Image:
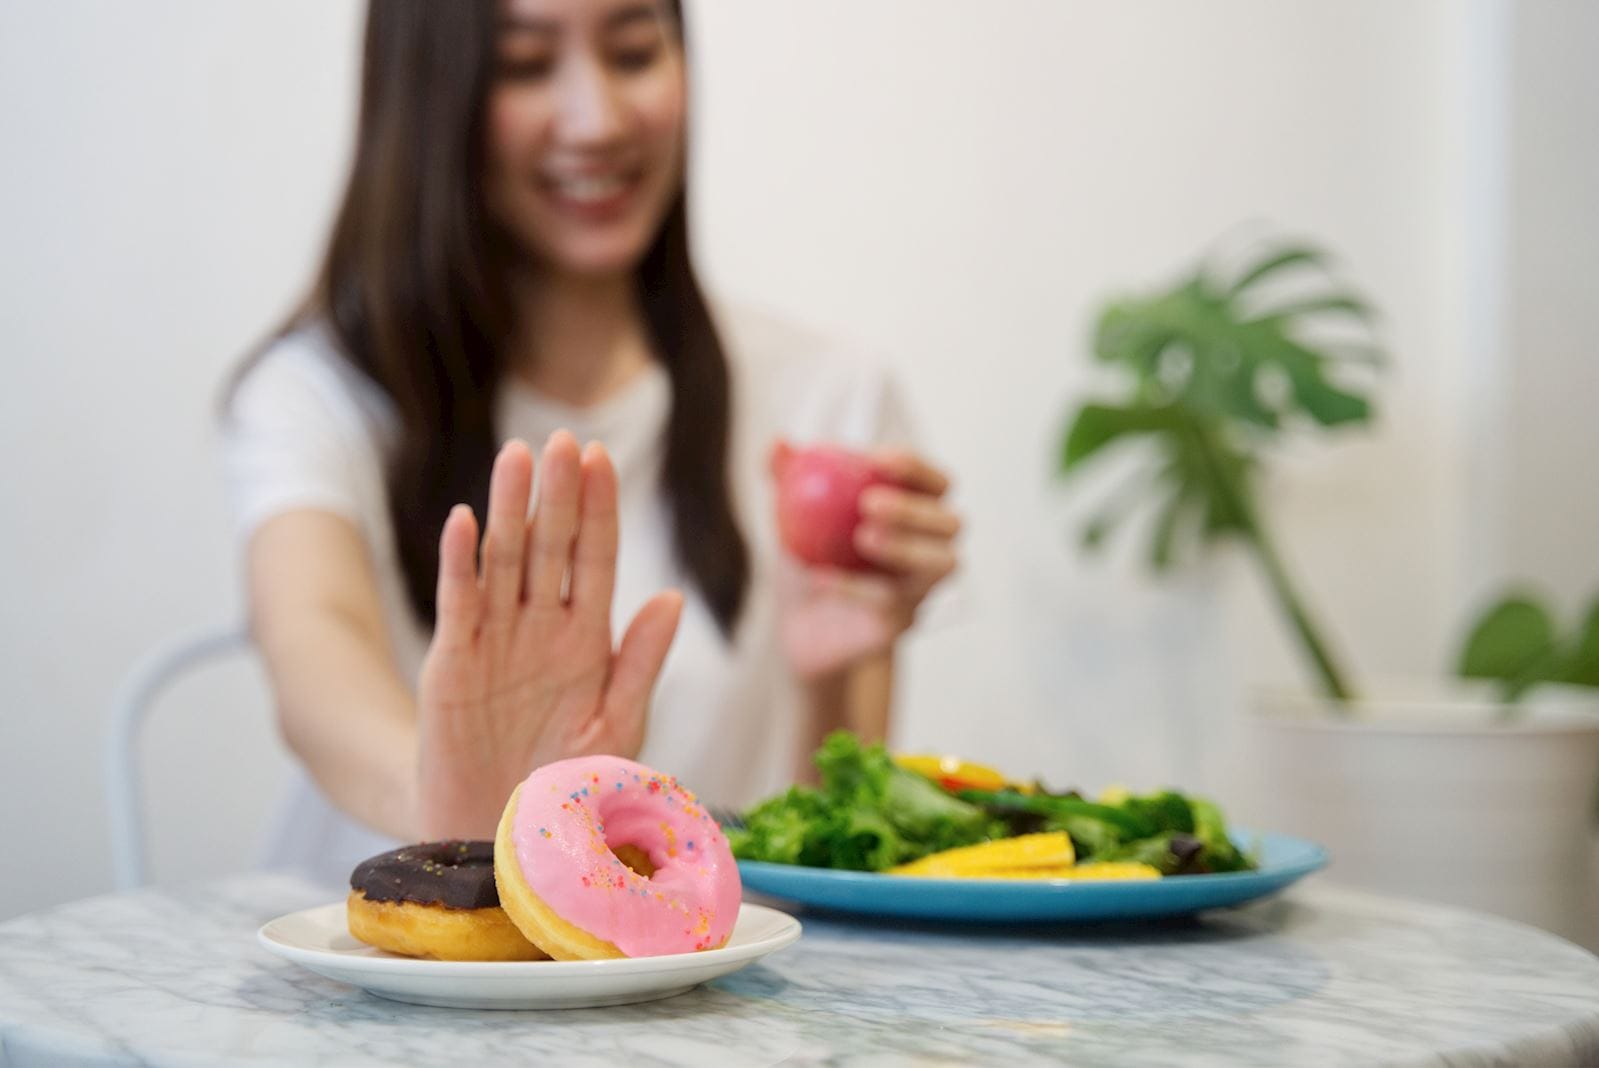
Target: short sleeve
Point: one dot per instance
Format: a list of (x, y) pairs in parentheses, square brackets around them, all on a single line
[(294, 437)]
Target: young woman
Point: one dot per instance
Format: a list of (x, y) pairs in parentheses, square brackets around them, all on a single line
[(510, 264)]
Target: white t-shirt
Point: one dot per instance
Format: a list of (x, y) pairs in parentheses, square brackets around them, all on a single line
[(308, 430)]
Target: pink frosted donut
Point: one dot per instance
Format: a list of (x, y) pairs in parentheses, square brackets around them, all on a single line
[(563, 885)]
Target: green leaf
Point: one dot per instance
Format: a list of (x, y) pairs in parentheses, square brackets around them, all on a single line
[(1241, 397), (1224, 472), (1321, 306), (1287, 257), (1582, 663), (1326, 403), (1156, 851), (1130, 824), (1091, 836), (1211, 828), (1219, 521), (1514, 637), (1165, 811), (1315, 394), (1097, 425), (1132, 333), (1167, 524)]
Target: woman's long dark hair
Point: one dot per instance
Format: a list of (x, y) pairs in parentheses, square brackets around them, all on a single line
[(412, 289)]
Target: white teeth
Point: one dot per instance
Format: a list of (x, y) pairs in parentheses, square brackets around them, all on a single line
[(589, 189)]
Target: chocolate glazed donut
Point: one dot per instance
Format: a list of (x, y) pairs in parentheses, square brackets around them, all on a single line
[(457, 874), (436, 900)]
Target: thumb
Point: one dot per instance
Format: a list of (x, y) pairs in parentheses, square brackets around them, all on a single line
[(643, 651)]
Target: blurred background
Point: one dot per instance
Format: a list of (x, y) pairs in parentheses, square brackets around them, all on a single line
[(958, 186)]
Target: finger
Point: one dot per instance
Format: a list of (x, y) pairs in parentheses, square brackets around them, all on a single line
[(779, 457), (908, 511), (911, 471), (594, 555), (504, 543), (643, 651), (554, 520), (458, 600), (928, 558)]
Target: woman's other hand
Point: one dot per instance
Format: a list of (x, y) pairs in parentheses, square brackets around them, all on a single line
[(522, 669), (833, 619)]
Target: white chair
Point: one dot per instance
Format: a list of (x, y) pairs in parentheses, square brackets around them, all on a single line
[(123, 784)]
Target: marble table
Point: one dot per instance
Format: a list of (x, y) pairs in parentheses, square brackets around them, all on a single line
[(1322, 976)]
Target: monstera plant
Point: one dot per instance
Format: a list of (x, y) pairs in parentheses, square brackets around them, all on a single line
[(1213, 373), (1210, 377)]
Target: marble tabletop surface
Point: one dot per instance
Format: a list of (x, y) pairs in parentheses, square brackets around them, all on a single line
[(1321, 976)]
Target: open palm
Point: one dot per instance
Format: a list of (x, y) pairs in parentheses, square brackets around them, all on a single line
[(522, 669)]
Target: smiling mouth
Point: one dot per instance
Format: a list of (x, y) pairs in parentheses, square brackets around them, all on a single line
[(592, 193)]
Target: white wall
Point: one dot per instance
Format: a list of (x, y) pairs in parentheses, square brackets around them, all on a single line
[(955, 184), (169, 168), (1552, 319)]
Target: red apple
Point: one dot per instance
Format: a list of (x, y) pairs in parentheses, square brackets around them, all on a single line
[(818, 502)]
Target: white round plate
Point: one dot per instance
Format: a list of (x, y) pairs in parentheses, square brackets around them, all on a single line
[(319, 939)]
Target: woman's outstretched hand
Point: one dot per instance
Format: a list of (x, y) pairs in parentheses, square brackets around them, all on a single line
[(522, 669)]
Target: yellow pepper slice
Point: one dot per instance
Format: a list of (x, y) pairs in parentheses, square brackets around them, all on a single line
[(1051, 849), (1091, 871), (952, 773)]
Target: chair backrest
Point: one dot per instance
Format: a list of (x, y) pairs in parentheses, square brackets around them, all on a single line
[(134, 699)]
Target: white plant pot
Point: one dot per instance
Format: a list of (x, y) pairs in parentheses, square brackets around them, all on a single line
[(1439, 792)]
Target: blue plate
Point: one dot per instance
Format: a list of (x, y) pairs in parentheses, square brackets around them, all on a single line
[(1283, 860)]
